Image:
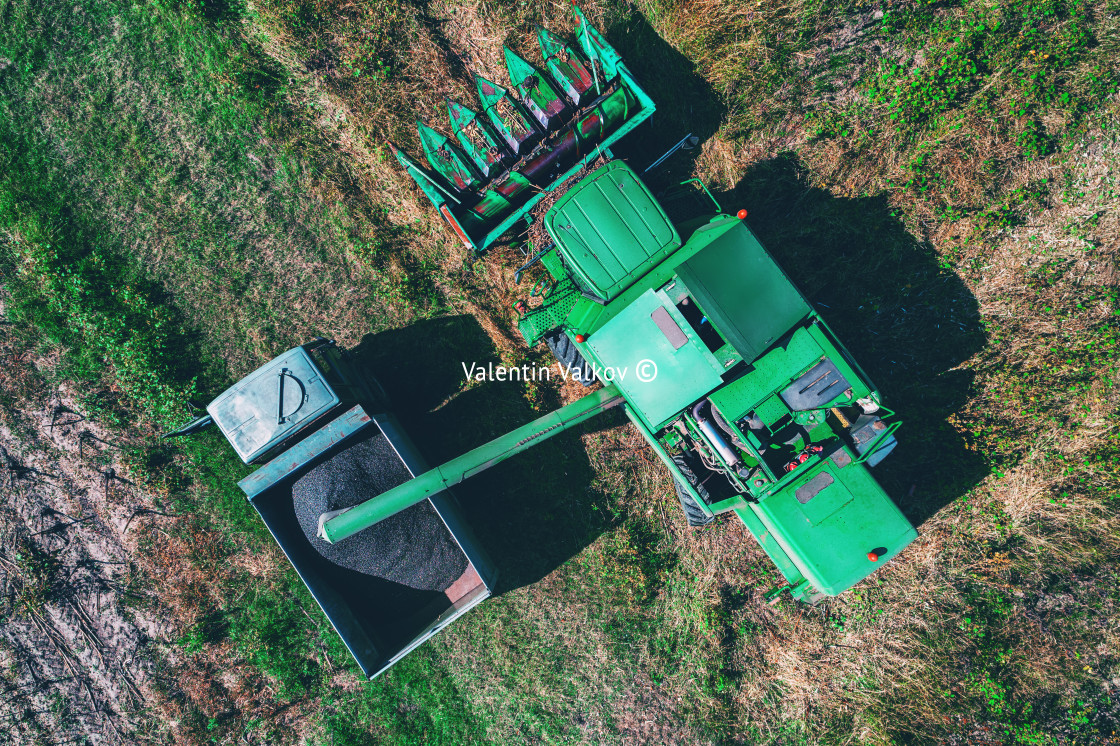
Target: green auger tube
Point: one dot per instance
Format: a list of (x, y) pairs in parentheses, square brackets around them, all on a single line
[(340, 524)]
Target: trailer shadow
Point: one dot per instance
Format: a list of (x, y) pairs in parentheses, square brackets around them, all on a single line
[(907, 320), (531, 513)]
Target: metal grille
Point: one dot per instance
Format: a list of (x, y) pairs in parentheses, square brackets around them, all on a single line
[(550, 314)]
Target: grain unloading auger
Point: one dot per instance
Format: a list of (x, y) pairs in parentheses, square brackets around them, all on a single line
[(529, 137)]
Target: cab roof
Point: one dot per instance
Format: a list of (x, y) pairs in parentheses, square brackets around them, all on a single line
[(742, 290), (610, 230)]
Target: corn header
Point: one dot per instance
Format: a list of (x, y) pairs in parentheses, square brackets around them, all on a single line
[(526, 138)]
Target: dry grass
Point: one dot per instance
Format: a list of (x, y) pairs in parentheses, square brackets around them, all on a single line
[(998, 625)]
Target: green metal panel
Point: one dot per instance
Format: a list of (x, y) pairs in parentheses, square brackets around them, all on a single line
[(542, 100), (806, 347), (448, 161), (610, 230), (477, 140), (845, 515), (771, 410), (587, 315), (271, 403), (768, 374), (570, 72), (551, 313), (684, 373), (841, 358), (743, 291), (773, 550)]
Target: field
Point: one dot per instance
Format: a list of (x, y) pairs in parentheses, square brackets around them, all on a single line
[(188, 187)]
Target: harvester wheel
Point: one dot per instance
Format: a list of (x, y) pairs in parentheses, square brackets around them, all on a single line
[(569, 356), (693, 513)]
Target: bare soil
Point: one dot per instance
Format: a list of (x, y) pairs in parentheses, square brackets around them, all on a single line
[(97, 588), (80, 652)]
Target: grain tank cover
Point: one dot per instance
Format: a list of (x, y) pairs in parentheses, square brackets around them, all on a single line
[(742, 290), (610, 230), (662, 364), (271, 403)]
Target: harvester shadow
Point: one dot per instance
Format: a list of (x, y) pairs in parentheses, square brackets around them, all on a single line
[(686, 102), (531, 513), (908, 321), (457, 65)]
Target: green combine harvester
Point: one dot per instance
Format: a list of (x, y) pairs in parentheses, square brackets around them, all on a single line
[(736, 383)]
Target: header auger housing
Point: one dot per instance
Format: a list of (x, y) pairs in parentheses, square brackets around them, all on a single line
[(526, 139)]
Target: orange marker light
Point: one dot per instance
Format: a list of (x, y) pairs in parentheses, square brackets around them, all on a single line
[(742, 214), (872, 556), (580, 338)]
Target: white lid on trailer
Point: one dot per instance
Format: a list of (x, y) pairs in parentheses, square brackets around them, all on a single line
[(271, 403)]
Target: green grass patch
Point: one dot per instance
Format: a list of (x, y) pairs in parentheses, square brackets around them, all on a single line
[(85, 298)]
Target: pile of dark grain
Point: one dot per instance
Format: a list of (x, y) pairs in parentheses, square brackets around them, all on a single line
[(413, 547)]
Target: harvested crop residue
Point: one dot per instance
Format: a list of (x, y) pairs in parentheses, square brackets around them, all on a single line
[(538, 236), (91, 645), (78, 662)]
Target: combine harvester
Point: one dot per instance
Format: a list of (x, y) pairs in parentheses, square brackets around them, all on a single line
[(736, 383)]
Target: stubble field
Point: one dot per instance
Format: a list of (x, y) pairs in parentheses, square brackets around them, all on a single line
[(188, 188)]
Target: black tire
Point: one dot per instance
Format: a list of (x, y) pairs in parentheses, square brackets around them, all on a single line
[(693, 513), (569, 356)]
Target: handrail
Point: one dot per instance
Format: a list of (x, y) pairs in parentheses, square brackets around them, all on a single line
[(875, 444), (705, 188)]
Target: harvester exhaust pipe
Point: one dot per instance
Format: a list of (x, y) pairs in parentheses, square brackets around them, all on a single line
[(340, 524), (715, 437)]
